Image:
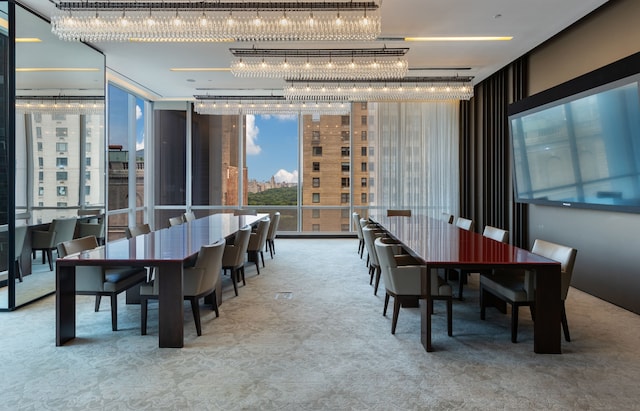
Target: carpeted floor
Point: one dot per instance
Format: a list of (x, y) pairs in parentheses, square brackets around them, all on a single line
[(308, 334)]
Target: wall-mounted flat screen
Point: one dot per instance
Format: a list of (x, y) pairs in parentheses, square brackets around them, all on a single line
[(582, 150)]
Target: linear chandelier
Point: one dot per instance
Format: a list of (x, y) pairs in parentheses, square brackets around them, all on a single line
[(320, 64), (198, 21), (267, 105), (78, 105), (405, 89)]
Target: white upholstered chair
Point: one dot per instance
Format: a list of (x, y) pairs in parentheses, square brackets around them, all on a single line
[(198, 282), (234, 256), (403, 281), (355, 217), (273, 231), (60, 230), (98, 280), (517, 287), (464, 223), (258, 242)]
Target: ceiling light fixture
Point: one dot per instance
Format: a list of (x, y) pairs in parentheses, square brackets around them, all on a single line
[(320, 64), (78, 105), (237, 105), (187, 20), (406, 89)]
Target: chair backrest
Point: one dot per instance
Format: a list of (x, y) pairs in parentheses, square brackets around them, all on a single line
[(273, 227), (94, 229), (403, 280), (566, 256), (188, 216), (260, 235), (356, 221), (64, 229), (77, 245), (210, 259), (175, 221), (495, 233), (402, 213), (369, 236), (19, 236), (464, 223), (137, 230), (234, 256)]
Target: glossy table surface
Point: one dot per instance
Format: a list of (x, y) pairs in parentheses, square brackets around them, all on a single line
[(439, 244), (167, 250)]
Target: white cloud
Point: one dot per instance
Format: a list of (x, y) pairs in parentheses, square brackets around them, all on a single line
[(283, 176), (138, 112), (140, 145), (252, 135)]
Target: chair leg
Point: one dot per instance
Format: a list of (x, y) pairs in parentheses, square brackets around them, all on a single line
[(462, 277), (195, 308), (143, 316), (214, 303), (97, 305), (361, 250), (114, 312), (483, 307), (241, 274), (375, 287), (514, 322), (262, 258), (450, 316), (371, 274), (234, 280), (396, 311), (50, 257), (19, 269), (565, 324), (386, 304)]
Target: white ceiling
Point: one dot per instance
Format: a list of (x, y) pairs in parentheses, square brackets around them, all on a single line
[(530, 22)]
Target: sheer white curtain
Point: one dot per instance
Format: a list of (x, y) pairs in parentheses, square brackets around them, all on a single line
[(416, 163)]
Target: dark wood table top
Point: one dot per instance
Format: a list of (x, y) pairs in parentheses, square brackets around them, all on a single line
[(175, 243), (440, 244)]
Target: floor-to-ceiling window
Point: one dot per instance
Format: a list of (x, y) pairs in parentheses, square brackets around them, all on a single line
[(126, 161), (271, 143)]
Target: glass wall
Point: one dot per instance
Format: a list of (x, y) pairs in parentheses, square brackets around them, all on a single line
[(56, 144)]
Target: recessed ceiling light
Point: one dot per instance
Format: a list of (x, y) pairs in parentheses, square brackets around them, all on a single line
[(36, 69), (460, 38), (28, 40), (200, 69)]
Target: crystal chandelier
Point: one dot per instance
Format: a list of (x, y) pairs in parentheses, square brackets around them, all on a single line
[(193, 21), (234, 105), (320, 64), (78, 105), (405, 89)]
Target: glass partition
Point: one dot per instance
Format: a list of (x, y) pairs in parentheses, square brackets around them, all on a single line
[(59, 145)]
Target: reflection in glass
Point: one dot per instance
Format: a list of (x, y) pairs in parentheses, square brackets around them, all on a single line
[(59, 147)]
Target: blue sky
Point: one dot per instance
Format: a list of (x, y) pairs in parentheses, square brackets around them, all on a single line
[(272, 147)]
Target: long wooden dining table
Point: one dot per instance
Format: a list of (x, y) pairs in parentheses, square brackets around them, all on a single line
[(438, 244), (167, 250)]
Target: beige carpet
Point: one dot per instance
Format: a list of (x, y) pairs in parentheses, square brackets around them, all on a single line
[(308, 334)]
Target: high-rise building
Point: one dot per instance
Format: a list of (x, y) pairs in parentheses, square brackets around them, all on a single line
[(336, 168)]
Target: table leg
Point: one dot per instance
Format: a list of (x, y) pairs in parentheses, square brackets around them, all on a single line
[(425, 311), (170, 305), (65, 304), (547, 337)]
